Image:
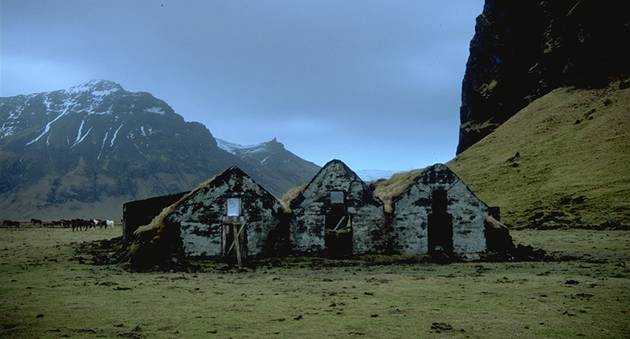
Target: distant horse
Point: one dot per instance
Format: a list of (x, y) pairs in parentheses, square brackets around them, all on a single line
[(80, 224), (100, 223)]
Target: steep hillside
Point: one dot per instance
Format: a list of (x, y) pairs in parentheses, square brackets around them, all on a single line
[(524, 49), (562, 160), (83, 151)]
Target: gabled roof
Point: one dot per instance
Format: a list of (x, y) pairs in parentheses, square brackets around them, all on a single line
[(296, 194), (389, 190), (160, 225)]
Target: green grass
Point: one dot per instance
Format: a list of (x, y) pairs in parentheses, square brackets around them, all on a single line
[(573, 163), (40, 275)]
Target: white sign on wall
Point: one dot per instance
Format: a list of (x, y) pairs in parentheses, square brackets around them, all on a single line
[(233, 207), (337, 197)]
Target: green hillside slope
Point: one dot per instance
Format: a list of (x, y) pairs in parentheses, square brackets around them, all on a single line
[(562, 160)]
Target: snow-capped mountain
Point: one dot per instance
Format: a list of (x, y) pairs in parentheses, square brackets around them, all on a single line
[(234, 147), (274, 158), (85, 150)]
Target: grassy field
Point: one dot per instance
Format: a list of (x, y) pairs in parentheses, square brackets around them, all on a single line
[(45, 291), (563, 159)]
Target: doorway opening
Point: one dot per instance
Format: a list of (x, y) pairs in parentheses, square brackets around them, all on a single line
[(234, 237), (440, 228), (234, 251), (338, 233)]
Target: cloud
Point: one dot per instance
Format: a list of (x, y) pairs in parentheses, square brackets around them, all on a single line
[(327, 77)]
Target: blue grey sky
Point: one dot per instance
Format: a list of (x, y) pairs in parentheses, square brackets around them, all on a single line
[(375, 83)]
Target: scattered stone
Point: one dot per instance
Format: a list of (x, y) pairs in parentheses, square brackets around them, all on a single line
[(438, 327), (120, 288), (571, 282), (368, 293), (40, 316), (356, 333), (374, 315), (222, 267), (585, 296)]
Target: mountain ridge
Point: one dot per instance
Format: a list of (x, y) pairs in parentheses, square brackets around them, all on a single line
[(68, 151)]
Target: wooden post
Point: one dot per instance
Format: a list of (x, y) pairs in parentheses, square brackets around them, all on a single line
[(237, 235), (237, 242)]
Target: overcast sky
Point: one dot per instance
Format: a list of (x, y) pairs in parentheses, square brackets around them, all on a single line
[(374, 83)]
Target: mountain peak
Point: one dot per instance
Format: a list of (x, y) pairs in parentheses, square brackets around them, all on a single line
[(102, 87), (274, 143)]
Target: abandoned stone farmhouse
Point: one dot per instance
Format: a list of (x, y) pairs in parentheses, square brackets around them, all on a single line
[(436, 212), (336, 214), (207, 221)]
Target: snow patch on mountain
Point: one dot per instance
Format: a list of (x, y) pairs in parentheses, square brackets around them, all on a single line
[(8, 127), (234, 148), (67, 106), (79, 132), (103, 144), (155, 109), (95, 88), (111, 143), (83, 137)]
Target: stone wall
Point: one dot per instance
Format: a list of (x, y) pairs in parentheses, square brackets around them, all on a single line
[(307, 227), (200, 217), (412, 207)]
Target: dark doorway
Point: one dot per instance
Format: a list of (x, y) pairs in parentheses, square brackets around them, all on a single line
[(338, 237), (440, 230)]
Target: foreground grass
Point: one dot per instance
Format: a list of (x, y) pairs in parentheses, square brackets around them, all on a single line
[(46, 292)]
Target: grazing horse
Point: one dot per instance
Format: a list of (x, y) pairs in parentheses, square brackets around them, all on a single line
[(36, 222), (80, 224), (100, 223)]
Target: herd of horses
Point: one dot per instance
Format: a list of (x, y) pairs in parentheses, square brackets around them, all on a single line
[(74, 224)]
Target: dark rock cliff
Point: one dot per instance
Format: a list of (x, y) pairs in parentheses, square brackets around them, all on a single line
[(524, 49)]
